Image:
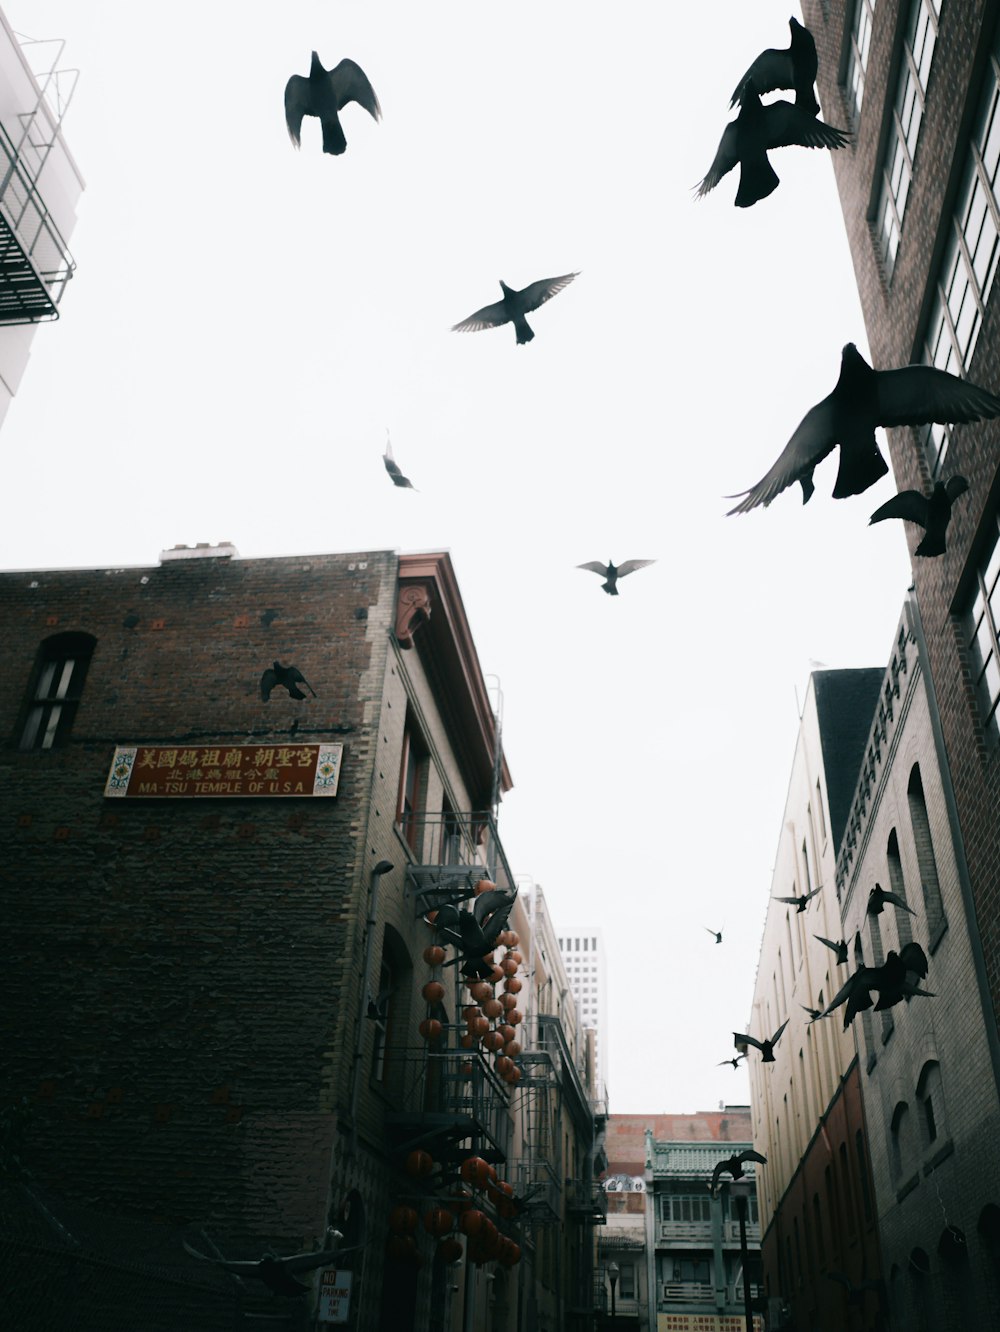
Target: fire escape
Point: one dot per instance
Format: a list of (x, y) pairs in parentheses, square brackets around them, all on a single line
[(35, 262)]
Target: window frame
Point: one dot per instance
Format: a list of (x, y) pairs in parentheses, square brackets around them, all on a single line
[(48, 715)]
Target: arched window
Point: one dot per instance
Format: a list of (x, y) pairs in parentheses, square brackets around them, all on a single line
[(931, 1099), (878, 957), (900, 1155), (55, 689), (897, 885), (866, 1192), (392, 1015), (933, 906)]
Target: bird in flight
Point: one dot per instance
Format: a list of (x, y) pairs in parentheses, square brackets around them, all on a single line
[(275, 1272), (514, 306), (932, 514), (794, 66), (611, 574), (746, 141), (288, 676), (799, 903), (735, 1061), (862, 399), (840, 948), (474, 933), (896, 979), (766, 1047), (733, 1165), (392, 467), (878, 897), (716, 933), (324, 93), (814, 1013)]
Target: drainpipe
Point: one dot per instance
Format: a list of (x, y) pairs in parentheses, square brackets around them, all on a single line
[(383, 867)]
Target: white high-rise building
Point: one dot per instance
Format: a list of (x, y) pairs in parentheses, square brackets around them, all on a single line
[(583, 953)]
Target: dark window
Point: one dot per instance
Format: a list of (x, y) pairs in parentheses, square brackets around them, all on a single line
[(923, 842), (866, 1195), (56, 686), (896, 883), (981, 623), (412, 781), (626, 1281)]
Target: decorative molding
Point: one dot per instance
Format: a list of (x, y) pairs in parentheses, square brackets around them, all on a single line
[(413, 608)]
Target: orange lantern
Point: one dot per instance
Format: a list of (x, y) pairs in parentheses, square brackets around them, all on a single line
[(504, 938), (450, 1250), (512, 1049), (514, 1017), (496, 975), (403, 1220), (509, 1002), (514, 1076), (430, 1029), (438, 1222), (477, 1172), (484, 886), (499, 1189), (492, 1008), (402, 1248), (434, 955), (433, 992), (480, 991), (465, 1069), (419, 1164), (517, 958), (511, 1254), (468, 1041), (493, 1041), (514, 940), (508, 966), (472, 1221), (470, 1011), (503, 1065), (479, 1026), (512, 985)]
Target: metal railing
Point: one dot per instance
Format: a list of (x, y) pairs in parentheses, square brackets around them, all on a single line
[(457, 1089), (450, 852), (691, 1292), (693, 1232), (35, 262)]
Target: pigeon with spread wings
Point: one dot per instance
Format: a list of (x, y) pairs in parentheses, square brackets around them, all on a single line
[(717, 934), (278, 1273), (392, 467), (735, 1061), (862, 399), (612, 572), (290, 677), (514, 306), (324, 93), (766, 1047), (896, 979), (474, 933), (799, 903), (839, 947), (933, 514), (878, 897), (733, 1165), (794, 66), (747, 140)]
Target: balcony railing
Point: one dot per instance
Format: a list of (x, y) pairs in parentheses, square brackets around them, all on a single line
[(35, 263), (731, 1232), (451, 853), (453, 1096), (685, 1232), (690, 1292)]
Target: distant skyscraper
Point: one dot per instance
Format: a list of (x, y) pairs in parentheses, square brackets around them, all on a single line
[(583, 953)]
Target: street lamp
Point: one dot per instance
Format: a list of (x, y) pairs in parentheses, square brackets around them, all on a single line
[(613, 1271), (740, 1191)]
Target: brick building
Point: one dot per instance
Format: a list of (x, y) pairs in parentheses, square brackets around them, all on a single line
[(920, 84), (213, 987)]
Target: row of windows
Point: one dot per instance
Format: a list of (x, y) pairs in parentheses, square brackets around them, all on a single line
[(912, 1133), (574, 945), (828, 1227), (857, 56)]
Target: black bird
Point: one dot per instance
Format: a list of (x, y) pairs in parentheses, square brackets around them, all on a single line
[(862, 399), (392, 467), (932, 514), (474, 933), (814, 1013), (733, 1165), (611, 574), (878, 897), (275, 1272), (746, 140), (289, 676), (324, 93), (794, 66), (799, 903), (767, 1047), (855, 1294), (896, 979), (716, 933), (840, 948), (735, 1062), (514, 306)]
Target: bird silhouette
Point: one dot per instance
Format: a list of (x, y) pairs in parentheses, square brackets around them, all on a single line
[(746, 141), (324, 93), (735, 1062), (794, 66), (932, 514), (611, 574), (276, 1272), (814, 1013), (878, 897), (514, 306), (862, 399), (392, 467), (799, 903), (840, 948), (896, 979), (288, 676), (766, 1047), (474, 933), (733, 1165), (717, 934)]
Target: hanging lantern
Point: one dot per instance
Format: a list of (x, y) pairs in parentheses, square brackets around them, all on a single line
[(450, 1250), (511, 1254), (489, 1237), (431, 1029), (517, 958), (468, 1041), (514, 940), (508, 966), (477, 1172), (419, 1164), (493, 1041), (481, 991), (484, 886), (470, 1011), (434, 955), (465, 1068), (514, 1017), (514, 1076), (479, 1026), (512, 1049), (503, 1065), (512, 985), (439, 1222), (471, 1222), (403, 1220), (499, 1190), (402, 1249), (492, 1008), (504, 938), (496, 975), (509, 1002), (433, 992), (507, 1032)]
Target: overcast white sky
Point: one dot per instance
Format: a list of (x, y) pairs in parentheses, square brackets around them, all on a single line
[(246, 321)]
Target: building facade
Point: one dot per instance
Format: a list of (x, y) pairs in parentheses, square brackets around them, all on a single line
[(929, 1066), (228, 1020), (586, 968), (814, 1192)]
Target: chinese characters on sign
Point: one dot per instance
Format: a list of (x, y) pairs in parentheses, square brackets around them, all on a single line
[(224, 770), (683, 1322)]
